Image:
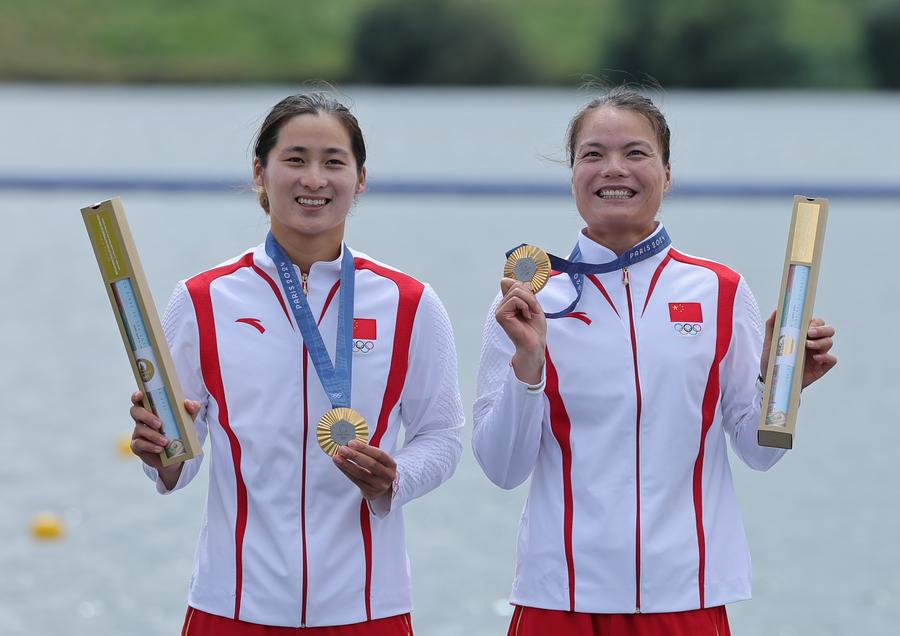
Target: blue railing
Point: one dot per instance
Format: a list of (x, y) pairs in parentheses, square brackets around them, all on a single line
[(425, 187)]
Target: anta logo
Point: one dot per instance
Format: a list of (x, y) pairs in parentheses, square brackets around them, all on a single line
[(253, 322), (365, 333), (686, 318)]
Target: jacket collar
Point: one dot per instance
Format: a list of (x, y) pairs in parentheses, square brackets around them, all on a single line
[(593, 252)]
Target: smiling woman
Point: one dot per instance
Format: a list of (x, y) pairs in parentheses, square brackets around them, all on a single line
[(619, 176), (307, 170), (620, 417), (293, 536)]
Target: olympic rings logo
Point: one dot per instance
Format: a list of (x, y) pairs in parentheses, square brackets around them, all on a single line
[(363, 346), (688, 329)]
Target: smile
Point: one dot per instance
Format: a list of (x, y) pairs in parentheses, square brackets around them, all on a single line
[(309, 202), (615, 193)]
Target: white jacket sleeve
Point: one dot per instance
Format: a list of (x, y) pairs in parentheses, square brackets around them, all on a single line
[(430, 406), (180, 328), (741, 402), (508, 414)]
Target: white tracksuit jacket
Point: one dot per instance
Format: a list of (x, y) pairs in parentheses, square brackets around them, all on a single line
[(631, 506), (287, 539)]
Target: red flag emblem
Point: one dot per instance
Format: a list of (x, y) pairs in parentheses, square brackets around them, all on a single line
[(364, 328), (685, 312)]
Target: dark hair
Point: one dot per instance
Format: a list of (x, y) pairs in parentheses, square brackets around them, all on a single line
[(624, 97), (312, 103)]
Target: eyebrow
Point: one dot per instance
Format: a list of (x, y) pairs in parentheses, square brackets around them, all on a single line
[(597, 144), (327, 151)]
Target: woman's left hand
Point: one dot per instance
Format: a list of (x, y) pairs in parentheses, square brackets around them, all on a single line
[(369, 467), (819, 340)]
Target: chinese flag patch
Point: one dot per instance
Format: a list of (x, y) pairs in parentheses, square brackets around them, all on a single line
[(685, 312), (364, 328)]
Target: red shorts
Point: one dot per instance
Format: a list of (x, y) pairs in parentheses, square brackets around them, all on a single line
[(199, 623), (530, 621)]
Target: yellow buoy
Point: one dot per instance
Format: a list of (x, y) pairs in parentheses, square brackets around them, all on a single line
[(123, 446), (46, 526)]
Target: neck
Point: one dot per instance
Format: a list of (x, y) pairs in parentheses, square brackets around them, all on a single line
[(617, 240), (304, 249)]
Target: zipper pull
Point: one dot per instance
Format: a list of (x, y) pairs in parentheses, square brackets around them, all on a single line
[(304, 283), (625, 276)]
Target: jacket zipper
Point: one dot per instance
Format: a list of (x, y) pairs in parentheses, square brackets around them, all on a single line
[(637, 447), (303, 489), (304, 284)]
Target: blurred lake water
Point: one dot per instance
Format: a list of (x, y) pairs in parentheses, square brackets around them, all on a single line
[(820, 524)]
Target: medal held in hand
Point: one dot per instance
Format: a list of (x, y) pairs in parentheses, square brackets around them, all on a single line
[(341, 424), (338, 426), (528, 264)]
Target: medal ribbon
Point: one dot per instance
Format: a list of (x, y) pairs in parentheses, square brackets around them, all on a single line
[(334, 378), (576, 270)]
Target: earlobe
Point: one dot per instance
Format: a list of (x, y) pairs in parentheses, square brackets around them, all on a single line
[(257, 173), (361, 182)]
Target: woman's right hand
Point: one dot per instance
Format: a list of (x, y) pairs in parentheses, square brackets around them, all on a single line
[(521, 317), (148, 441)]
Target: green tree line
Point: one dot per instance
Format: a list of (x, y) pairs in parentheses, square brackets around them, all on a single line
[(680, 43)]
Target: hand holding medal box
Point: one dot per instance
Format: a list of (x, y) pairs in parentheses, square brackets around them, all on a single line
[(139, 325), (784, 375)]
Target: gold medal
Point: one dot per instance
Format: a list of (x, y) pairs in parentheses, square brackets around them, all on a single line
[(338, 426), (528, 264)]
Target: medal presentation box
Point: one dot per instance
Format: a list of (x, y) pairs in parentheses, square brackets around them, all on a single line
[(787, 353), (140, 328)]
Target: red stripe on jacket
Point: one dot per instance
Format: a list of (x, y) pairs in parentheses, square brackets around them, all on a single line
[(274, 287), (199, 289), (410, 293), (728, 283), (655, 277), (602, 290), (561, 427)]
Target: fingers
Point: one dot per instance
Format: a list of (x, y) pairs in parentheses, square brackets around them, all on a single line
[(142, 416), (817, 367), (770, 323), (370, 486), (819, 338), (818, 329), (819, 345), (506, 284), (369, 467), (825, 360), (512, 306), (373, 453), (147, 440), (192, 407), (373, 460), (509, 283), (819, 341), (518, 298)]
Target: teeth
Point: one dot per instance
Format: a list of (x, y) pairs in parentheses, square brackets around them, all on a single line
[(312, 202), (616, 194)]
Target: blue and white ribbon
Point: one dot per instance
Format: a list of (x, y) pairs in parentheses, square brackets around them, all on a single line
[(576, 269), (335, 377)]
